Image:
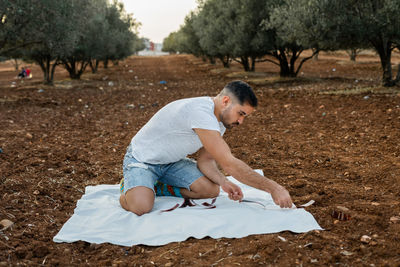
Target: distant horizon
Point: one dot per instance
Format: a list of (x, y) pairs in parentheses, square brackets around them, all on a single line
[(159, 17)]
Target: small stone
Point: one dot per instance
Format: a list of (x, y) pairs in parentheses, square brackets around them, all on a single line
[(365, 239), (168, 264), (342, 208), (346, 253), (29, 136), (130, 71), (282, 238), (36, 192), (375, 204), (395, 219), (6, 224), (110, 83)]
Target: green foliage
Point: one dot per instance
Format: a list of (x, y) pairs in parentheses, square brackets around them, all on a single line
[(69, 32), (344, 24), (170, 43), (232, 29), (240, 30)]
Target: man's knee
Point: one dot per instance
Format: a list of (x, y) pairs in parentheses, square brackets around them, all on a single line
[(213, 191), (140, 210), (139, 200), (205, 188)]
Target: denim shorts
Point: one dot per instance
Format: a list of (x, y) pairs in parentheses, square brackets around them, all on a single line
[(179, 174)]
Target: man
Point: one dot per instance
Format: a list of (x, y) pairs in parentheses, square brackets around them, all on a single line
[(156, 163)]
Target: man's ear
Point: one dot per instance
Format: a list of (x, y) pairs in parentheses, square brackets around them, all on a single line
[(226, 100)]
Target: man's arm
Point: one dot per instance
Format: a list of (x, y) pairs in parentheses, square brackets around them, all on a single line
[(215, 145), (208, 166)]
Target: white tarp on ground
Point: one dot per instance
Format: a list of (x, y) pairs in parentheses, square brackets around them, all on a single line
[(98, 218)]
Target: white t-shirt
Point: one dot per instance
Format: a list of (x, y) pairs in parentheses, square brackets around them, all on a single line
[(169, 136)]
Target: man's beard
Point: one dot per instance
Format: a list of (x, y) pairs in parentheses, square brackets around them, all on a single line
[(230, 125)]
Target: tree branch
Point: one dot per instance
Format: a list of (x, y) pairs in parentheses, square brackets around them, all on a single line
[(268, 60), (305, 59)]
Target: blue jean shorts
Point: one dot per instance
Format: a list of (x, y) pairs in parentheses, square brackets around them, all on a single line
[(179, 174)]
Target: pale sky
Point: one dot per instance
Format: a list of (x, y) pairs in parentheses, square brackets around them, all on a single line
[(159, 17)]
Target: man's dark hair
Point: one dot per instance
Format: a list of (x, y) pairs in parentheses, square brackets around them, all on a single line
[(243, 92)]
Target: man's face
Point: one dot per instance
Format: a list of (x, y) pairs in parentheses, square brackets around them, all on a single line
[(234, 114)]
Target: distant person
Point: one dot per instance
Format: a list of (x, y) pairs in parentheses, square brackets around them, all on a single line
[(22, 74), (28, 73), (155, 163)]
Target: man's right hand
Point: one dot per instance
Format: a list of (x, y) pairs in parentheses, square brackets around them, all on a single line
[(281, 197), (233, 190)]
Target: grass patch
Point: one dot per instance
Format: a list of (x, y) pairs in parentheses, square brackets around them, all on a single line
[(363, 90), (245, 74), (278, 79), (219, 70)]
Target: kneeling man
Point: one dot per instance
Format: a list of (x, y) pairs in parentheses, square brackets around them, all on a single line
[(156, 160)]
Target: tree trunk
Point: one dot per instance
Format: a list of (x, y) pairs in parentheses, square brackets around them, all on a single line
[(398, 74), (385, 54), (225, 61), (353, 54), (16, 64), (253, 64), (245, 63), (71, 65), (284, 65), (105, 62), (47, 68), (316, 54), (94, 66), (212, 60), (48, 78), (53, 68)]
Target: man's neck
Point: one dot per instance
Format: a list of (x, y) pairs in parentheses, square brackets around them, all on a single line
[(216, 107)]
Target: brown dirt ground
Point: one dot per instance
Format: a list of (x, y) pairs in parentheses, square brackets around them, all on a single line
[(331, 135)]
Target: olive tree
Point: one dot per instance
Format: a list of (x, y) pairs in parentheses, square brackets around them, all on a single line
[(345, 24)]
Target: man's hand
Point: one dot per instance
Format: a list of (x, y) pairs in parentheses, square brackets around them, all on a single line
[(281, 197), (234, 191)]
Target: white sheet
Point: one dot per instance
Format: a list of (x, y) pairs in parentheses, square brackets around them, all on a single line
[(98, 218)]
